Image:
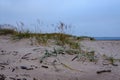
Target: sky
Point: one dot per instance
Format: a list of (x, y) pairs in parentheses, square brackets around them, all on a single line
[(95, 18)]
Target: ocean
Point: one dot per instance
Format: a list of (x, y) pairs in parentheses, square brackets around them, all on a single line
[(108, 38)]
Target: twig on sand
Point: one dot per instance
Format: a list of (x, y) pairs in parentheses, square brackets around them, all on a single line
[(44, 66), (103, 71), (75, 58), (26, 68), (25, 56)]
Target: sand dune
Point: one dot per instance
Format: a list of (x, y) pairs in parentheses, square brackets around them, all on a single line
[(21, 61)]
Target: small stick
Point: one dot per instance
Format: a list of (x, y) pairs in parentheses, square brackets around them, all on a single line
[(44, 66), (74, 58), (102, 71), (25, 56)]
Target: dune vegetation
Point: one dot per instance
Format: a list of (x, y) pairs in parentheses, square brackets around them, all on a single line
[(69, 44)]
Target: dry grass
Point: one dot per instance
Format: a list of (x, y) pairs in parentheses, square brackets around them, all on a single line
[(7, 31), (60, 38)]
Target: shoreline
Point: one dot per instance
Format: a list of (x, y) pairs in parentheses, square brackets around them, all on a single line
[(107, 38)]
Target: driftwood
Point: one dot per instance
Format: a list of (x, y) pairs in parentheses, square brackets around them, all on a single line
[(26, 56), (74, 58), (26, 68), (13, 69), (103, 71), (44, 66)]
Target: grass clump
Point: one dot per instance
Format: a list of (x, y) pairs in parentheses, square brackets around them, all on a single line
[(74, 45), (111, 60), (41, 39), (54, 53), (91, 56), (21, 35), (72, 51), (87, 56), (81, 56), (7, 31), (85, 38)]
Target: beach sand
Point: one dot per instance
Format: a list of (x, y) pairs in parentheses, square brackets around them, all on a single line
[(21, 61)]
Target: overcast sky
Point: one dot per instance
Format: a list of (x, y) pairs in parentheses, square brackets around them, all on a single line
[(87, 17)]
